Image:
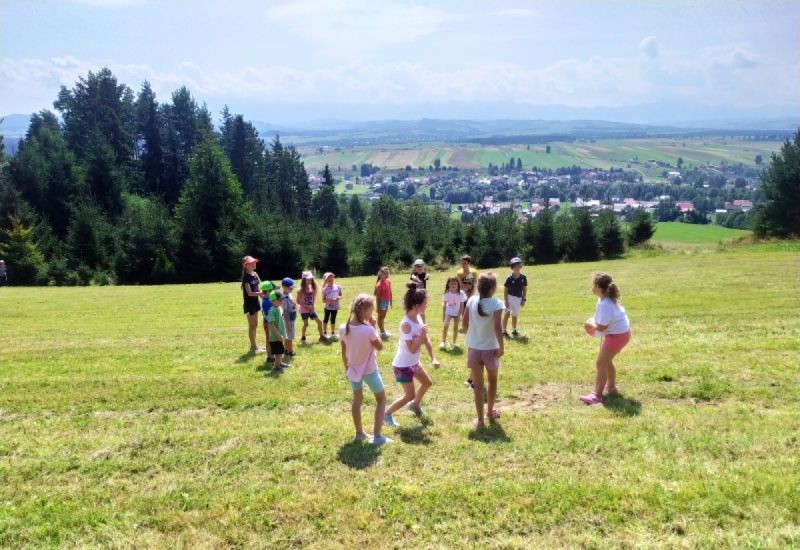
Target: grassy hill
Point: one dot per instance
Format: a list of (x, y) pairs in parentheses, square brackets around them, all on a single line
[(677, 233), (131, 417)]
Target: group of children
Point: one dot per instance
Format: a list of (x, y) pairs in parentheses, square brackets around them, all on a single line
[(483, 316)]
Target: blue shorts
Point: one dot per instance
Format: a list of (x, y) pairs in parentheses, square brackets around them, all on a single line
[(383, 305), (373, 380)]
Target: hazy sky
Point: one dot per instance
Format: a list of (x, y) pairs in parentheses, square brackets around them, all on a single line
[(280, 60)]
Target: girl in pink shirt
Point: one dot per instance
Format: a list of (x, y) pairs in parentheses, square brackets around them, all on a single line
[(360, 341), (383, 293), (306, 297)]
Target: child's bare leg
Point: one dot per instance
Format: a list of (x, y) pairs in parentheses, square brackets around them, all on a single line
[(444, 330), (305, 326), (355, 409), (455, 330), (513, 322), (611, 371), (408, 395), (381, 317), (319, 327), (477, 389), (380, 411), (604, 358), (506, 315), (252, 326), (492, 393), (278, 360), (425, 384)]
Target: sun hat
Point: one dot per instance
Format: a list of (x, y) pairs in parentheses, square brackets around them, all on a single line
[(249, 260), (275, 295), (307, 275), (419, 261), (515, 260), (287, 282), (326, 275), (266, 286)]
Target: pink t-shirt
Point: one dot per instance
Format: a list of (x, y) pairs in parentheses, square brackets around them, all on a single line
[(361, 359), (305, 301), (384, 290)]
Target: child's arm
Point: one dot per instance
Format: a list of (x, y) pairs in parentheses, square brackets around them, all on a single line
[(524, 294), (505, 296), (344, 353), (376, 342), (498, 331), (464, 316), (427, 341), (444, 308)]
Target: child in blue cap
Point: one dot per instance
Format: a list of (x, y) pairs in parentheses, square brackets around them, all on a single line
[(289, 314)]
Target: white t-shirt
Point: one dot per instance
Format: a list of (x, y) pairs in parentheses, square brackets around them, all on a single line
[(403, 357), (613, 315), (453, 301), (361, 359), (480, 334)]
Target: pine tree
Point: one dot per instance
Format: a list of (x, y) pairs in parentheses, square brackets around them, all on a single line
[(586, 249), (149, 127), (779, 216), (610, 239), (641, 227), (325, 207), (22, 256)]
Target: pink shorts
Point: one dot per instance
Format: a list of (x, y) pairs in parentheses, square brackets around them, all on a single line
[(479, 358), (615, 342)]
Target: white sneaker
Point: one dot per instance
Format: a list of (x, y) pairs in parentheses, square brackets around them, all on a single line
[(380, 440), (443, 345)]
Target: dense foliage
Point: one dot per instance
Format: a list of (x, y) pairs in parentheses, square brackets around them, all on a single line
[(125, 189)]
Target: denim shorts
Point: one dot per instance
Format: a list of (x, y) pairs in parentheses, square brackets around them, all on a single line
[(373, 380), (383, 305), (307, 316)]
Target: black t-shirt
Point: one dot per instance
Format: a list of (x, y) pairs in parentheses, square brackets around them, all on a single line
[(423, 277), (516, 284), (252, 282)]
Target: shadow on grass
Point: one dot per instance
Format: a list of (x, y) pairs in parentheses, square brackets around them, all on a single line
[(270, 372), (493, 432), (416, 435), (245, 357), (454, 351), (358, 455), (520, 339), (622, 406)]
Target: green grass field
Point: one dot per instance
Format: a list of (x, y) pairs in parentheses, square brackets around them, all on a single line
[(677, 233), (600, 154), (132, 417)]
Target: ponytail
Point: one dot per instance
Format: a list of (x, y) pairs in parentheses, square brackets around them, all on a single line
[(609, 288), (414, 296), (487, 283)]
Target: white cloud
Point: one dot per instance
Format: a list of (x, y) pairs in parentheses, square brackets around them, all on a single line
[(730, 75), (356, 28), (109, 3)]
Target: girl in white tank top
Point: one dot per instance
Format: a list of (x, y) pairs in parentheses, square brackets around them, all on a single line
[(406, 366)]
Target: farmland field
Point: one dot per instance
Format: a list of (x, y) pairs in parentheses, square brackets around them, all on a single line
[(132, 417), (600, 154)]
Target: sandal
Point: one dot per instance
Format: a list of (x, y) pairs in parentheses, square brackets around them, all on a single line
[(494, 413), (590, 399)]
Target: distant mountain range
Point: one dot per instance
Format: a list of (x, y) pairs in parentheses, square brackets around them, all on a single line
[(343, 132)]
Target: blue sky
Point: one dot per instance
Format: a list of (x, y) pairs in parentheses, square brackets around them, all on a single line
[(295, 60)]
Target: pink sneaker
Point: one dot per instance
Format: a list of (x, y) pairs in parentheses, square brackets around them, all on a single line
[(591, 399)]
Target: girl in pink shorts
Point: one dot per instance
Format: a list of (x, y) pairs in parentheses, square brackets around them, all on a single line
[(484, 338), (611, 323)]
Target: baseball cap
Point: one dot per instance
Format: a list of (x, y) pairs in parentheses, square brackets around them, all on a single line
[(515, 260), (249, 260), (266, 286), (287, 282), (275, 295), (419, 261)]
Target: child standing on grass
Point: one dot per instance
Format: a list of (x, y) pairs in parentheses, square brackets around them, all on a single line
[(331, 294), (484, 343), (611, 322), (306, 297), (266, 305), (383, 294), (277, 331), (289, 314), (406, 365), (452, 309), (515, 294), (418, 274), (467, 275), (250, 293), (360, 342)]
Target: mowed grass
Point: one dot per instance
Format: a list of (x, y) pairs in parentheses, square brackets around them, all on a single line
[(132, 417), (677, 233)]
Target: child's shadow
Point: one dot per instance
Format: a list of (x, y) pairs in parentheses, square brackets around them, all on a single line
[(416, 435), (269, 372), (493, 432), (622, 406), (521, 339), (454, 351), (245, 358), (358, 455)]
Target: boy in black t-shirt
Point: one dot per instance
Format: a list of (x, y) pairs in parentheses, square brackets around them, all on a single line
[(514, 294)]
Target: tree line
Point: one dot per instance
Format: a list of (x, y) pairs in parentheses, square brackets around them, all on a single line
[(127, 189)]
